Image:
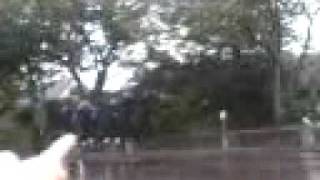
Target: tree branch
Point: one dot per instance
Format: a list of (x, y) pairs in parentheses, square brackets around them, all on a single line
[(306, 45), (77, 78), (101, 75)]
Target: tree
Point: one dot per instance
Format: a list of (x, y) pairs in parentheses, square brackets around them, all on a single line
[(181, 98), (80, 36), (41, 40), (14, 50), (248, 24)]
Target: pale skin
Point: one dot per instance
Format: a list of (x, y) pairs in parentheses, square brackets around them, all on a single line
[(48, 165)]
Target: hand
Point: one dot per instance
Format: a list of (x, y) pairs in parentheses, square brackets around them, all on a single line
[(51, 164)]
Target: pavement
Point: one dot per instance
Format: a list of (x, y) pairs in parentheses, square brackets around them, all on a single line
[(311, 162), (205, 164)]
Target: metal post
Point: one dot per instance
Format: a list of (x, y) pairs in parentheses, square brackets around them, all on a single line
[(224, 135), (82, 175), (308, 139)]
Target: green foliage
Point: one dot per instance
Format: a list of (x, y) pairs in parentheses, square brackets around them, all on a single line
[(24, 118), (18, 131), (184, 97), (302, 94), (189, 97), (178, 113), (19, 47), (241, 22)]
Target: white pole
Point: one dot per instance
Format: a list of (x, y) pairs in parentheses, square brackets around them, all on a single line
[(308, 139), (224, 136), (81, 170)]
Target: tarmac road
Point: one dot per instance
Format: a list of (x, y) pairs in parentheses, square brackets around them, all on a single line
[(234, 164)]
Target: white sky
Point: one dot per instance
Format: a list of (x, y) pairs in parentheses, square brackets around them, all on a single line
[(301, 26)]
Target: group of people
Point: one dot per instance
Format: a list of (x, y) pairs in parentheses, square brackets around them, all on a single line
[(80, 117)]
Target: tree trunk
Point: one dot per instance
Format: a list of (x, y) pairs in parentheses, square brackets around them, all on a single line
[(102, 75), (100, 81), (277, 93), (76, 77), (276, 48)]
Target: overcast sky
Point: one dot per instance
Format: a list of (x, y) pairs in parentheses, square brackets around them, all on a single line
[(301, 26)]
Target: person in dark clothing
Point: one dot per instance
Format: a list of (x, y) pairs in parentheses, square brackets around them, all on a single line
[(87, 119), (68, 116)]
